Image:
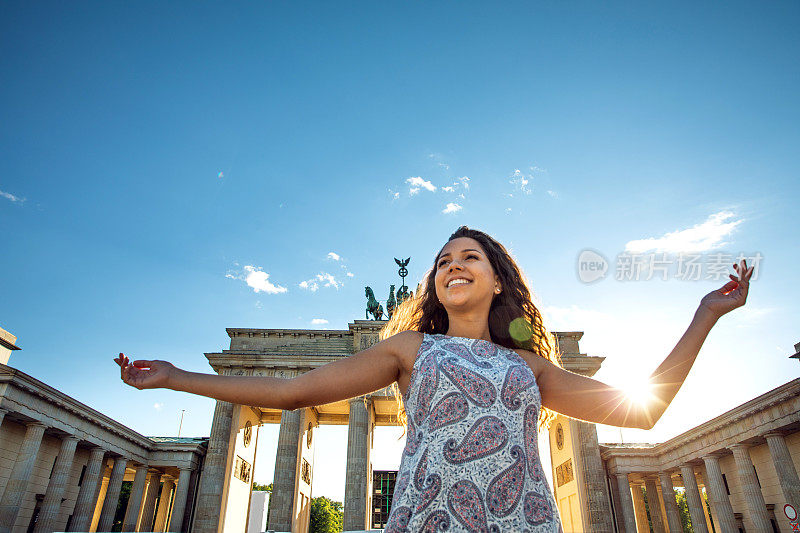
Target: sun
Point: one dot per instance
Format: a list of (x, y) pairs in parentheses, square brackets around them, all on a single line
[(639, 390)]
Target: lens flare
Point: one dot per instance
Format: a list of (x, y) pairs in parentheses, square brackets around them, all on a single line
[(639, 390), (520, 329)]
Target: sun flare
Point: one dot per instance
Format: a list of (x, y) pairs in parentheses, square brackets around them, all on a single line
[(639, 390)]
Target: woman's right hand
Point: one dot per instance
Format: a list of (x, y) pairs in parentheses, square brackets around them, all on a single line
[(145, 374)]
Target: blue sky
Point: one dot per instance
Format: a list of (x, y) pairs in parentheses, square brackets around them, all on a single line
[(153, 156)]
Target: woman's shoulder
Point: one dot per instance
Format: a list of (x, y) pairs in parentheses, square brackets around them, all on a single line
[(406, 343), (534, 361), (406, 346)]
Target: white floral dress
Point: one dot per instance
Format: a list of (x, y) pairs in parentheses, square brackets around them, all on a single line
[(471, 461)]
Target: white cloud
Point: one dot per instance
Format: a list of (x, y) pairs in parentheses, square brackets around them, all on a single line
[(553, 194), (448, 189), (350, 275), (259, 281), (259, 305), (323, 279), (310, 285), (699, 238), (451, 208), (395, 195), (158, 406), (256, 279), (13, 198), (417, 183), (521, 181), (319, 321), (334, 256), (464, 181), (508, 209)]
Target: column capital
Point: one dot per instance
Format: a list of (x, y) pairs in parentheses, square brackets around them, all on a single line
[(366, 400), (773, 433), (186, 469), (739, 446), (35, 424), (71, 437)]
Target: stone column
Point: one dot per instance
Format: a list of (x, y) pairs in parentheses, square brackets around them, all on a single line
[(693, 499), (670, 504), (787, 473), (654, 505), (187, 517), (2, 415), (626, 503), (753, 497), (112, 494), (642, 525), (594, 479), (212, 481), (357, 482), (179, 505), (17, 485), (284, 482), (48, 515), (135, 500), (87, 495), (163, 504), (149, 506), (102, 489), (720, 501)]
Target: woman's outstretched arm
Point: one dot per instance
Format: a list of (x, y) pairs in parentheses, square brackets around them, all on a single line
[(587, 399), (372, 369)]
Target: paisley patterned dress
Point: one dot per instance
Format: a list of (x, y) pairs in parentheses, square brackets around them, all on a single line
[(471, 461)]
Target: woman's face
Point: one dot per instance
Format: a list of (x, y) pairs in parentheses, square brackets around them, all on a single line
[(464, 276)]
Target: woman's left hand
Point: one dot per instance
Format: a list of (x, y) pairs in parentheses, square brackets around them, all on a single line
[(732, 295)]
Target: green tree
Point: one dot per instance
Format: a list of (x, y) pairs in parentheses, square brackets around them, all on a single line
[(683, 509), (267, 488), (326, 516), (122, 505)]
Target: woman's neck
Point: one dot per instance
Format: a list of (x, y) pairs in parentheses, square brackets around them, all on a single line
[(471, 329)]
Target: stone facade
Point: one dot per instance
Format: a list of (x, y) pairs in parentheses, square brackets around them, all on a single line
[(62, 464), (744, 462)]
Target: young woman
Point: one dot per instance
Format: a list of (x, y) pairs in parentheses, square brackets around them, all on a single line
[(478, 374)]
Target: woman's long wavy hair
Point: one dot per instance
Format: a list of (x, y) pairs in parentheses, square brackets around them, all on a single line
[(514, 320)]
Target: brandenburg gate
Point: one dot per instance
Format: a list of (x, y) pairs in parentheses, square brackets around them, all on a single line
[(224, 491)]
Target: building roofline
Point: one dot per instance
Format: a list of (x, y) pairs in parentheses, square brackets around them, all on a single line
[(9, 345), (788, 390), (7, 340), (20, 379)]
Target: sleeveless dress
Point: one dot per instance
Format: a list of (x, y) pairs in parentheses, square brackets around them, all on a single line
[(471, 461)]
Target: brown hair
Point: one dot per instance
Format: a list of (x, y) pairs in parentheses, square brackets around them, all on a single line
[(514, 320)]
